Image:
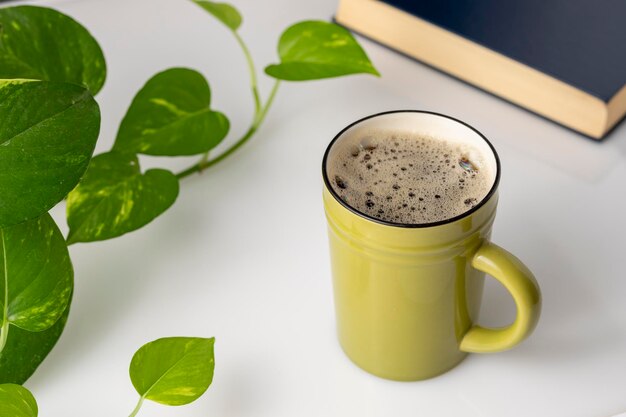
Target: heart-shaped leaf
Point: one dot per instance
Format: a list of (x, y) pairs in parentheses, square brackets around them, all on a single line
[(47, 135), (170, 116), (17, 401), (36, 276), (115, 198), (24, 351), (312, 50), (173, 370), (223, 12), (43, 44)]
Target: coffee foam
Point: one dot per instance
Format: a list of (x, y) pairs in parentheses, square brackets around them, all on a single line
[(408, 177)]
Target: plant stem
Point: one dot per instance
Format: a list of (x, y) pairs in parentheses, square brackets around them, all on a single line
[(268, 103), (137, 407), (256, 122), (252, 70), (4, 331), (4, 334), (204, 158)]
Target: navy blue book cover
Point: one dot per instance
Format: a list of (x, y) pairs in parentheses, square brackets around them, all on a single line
[(580, 42)]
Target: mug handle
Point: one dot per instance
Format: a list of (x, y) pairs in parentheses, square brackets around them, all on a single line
[(521, 283)]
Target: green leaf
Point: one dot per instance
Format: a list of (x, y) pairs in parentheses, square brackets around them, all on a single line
[(47, 135), (223, 12), (170, 116), (312, 50), (36, 276), (17, 401), (25, 350), (115, 198), (173, 370), (43, 44)]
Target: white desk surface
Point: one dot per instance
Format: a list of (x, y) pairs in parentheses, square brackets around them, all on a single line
[(242, 255)]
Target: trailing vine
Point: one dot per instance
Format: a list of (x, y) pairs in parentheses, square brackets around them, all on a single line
[(50, 70)]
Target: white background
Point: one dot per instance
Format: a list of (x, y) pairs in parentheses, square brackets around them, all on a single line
[(242, 255)]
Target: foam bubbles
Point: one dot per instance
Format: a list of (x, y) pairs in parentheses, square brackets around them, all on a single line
[(407, 178)]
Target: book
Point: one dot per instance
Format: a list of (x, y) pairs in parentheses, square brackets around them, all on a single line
[(562, 59)]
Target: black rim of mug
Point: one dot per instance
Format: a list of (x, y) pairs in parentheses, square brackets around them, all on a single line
[(482, 202)]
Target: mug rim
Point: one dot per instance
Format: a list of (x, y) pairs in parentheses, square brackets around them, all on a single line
[(366, 216)]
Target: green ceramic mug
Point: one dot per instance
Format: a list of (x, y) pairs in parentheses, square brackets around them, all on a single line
[(407, 296)]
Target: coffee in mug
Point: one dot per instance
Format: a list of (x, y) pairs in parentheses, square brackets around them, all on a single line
[(404, 177)]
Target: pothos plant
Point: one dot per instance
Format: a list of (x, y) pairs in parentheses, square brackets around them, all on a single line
[(50, 70)]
